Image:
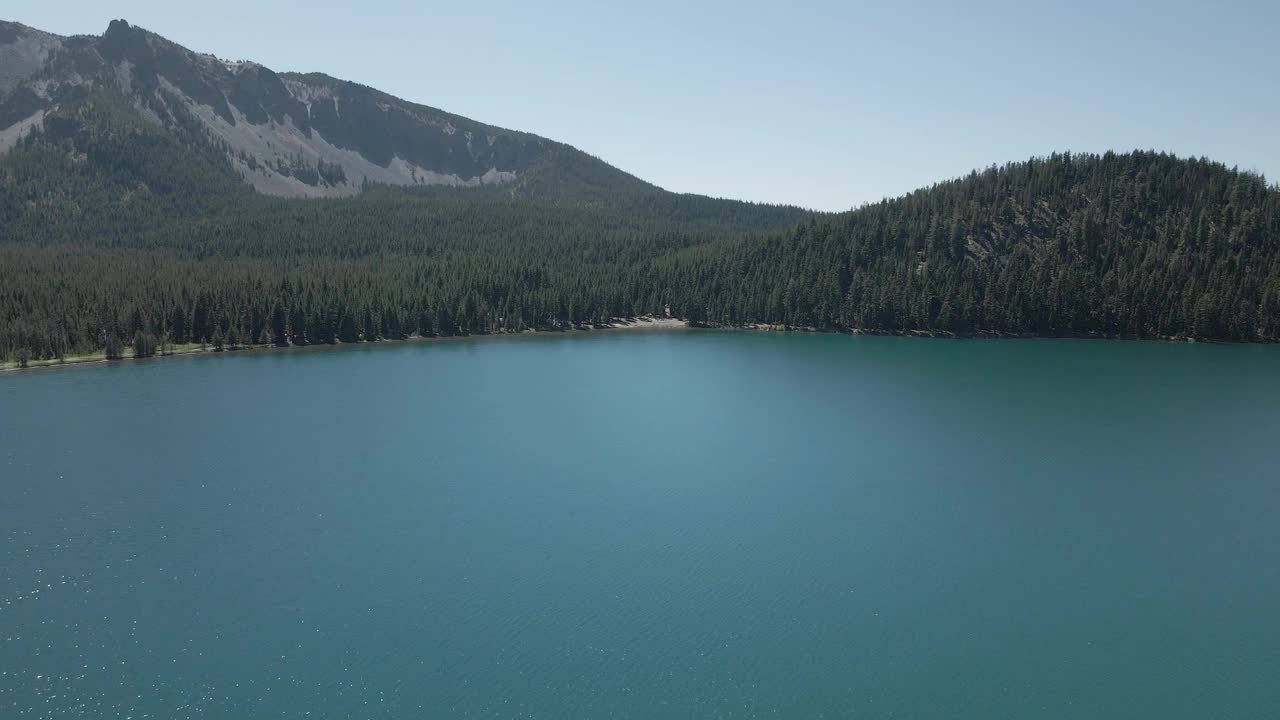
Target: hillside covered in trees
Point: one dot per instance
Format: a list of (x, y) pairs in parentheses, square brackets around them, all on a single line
[(1135, 245), (133, 214)]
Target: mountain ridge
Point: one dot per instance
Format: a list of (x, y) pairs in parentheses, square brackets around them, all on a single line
[(292, 134)]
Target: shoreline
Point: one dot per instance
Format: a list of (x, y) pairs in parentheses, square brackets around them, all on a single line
[(979, 334), (641, 323)]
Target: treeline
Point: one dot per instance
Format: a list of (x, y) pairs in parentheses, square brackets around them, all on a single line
[(1127, 245), (74, 300), (116, 231)]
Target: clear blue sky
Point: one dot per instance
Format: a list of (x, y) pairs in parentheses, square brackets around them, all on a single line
[(821, 104)]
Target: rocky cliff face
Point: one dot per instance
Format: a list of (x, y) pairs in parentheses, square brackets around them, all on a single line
[(299, 135)]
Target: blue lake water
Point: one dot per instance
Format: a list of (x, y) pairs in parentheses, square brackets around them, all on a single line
[(646, 525)]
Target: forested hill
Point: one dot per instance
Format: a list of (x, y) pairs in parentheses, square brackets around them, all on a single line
[(1132, 245)]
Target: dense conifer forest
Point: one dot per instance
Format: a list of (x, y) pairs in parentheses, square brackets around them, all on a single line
[(1138, 245), (119, 236)]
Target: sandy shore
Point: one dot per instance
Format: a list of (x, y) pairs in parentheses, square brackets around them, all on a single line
[(636, 323), (646, 323)]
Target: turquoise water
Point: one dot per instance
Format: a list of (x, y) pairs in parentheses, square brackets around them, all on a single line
[(646, 525)]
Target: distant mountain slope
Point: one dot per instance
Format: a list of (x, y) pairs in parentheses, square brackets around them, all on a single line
[(295, 135), (128, 133)]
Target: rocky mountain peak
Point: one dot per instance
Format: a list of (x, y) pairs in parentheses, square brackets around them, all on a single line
[(285, 134)]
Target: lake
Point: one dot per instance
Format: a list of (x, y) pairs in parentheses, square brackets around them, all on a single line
[(646, 525)]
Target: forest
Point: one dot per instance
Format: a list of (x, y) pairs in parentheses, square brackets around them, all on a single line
[(117, 238), (1138, 245)]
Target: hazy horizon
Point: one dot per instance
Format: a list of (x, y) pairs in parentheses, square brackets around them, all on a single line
[(822, 106)]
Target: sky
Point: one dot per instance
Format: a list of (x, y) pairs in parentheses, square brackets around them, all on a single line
[(825, 105)]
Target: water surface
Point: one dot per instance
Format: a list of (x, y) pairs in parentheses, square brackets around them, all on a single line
[(646, 525)]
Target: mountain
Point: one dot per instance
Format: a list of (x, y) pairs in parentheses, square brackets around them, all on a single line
[(129, 133), (155, 195), (286, 134)]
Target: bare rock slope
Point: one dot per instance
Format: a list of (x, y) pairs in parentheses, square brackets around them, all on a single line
[(297, 135)]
